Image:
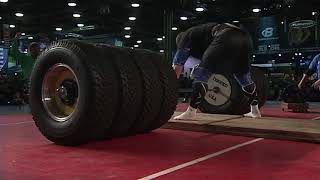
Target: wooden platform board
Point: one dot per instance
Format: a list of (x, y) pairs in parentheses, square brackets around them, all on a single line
[(266, 127)]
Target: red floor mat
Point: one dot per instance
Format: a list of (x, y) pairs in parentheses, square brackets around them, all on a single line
[(26, 154), (264, 160)]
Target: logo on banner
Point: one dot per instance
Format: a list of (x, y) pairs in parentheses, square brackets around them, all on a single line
[(267, 32), (302, 24)]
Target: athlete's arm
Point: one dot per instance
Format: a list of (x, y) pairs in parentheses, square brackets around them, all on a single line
[(178, 69), (313, 68), (180, 59), (303, 81)]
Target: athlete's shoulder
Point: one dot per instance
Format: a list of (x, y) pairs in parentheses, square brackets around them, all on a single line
[(201, 27), (211, 24), (207, 25), (317, 57)]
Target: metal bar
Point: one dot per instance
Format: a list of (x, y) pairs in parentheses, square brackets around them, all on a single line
[(168, 22)]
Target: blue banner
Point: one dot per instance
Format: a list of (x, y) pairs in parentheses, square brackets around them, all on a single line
[(268, 34), (3, 58)]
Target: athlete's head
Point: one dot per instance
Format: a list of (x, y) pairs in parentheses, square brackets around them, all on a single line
[(34, 50)]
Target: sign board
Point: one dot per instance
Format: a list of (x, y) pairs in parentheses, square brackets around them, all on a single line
[(3, 58), (268, 34), (302, 33)]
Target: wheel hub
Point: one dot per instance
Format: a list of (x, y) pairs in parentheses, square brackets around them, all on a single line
[(216, 89), (68, 92), (60, 92)]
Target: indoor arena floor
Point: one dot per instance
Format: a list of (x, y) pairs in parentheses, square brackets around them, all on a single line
[(162, 154)]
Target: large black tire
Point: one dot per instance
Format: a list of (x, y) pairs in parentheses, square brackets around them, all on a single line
[(238, 103), (169, 86), (131, 89), (97, 101), (153, 92)]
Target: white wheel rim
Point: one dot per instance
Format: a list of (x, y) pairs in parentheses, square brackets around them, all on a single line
[(54, 106), (219, 90)]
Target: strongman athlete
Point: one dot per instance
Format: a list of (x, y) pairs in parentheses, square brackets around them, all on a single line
[(314, 67), (217, 45)]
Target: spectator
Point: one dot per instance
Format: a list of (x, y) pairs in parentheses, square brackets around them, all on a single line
[(314, 67), (25, 60)]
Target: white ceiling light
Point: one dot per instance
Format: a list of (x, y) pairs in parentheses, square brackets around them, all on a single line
[(3, 1), (162, 51), (256, 10), (135, 5), (132, 18), (163, 37), (72, 4), (76, 15), (199, 9), (279, 55), (235, 21), (127, 28), (23, 34), (159, 39), (139, 41), (314, 13), (12, 26), (30, 37), (58, 29), (0, 17), (183, 18), (174, 28), (80, 25), (19, 14), (127, 36), (136, 46)]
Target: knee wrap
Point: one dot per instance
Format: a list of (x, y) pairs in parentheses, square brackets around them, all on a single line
[(199, 91), (250, 91)]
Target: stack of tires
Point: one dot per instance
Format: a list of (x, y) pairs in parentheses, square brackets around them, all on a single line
[(81, 92)]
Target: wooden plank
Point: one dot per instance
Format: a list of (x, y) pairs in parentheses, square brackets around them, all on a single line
[(273, 128), (290, 125), (199, 122), (203, 118)]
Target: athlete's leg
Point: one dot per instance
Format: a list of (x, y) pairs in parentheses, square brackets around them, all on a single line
[(201, 76), (250, 91)]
